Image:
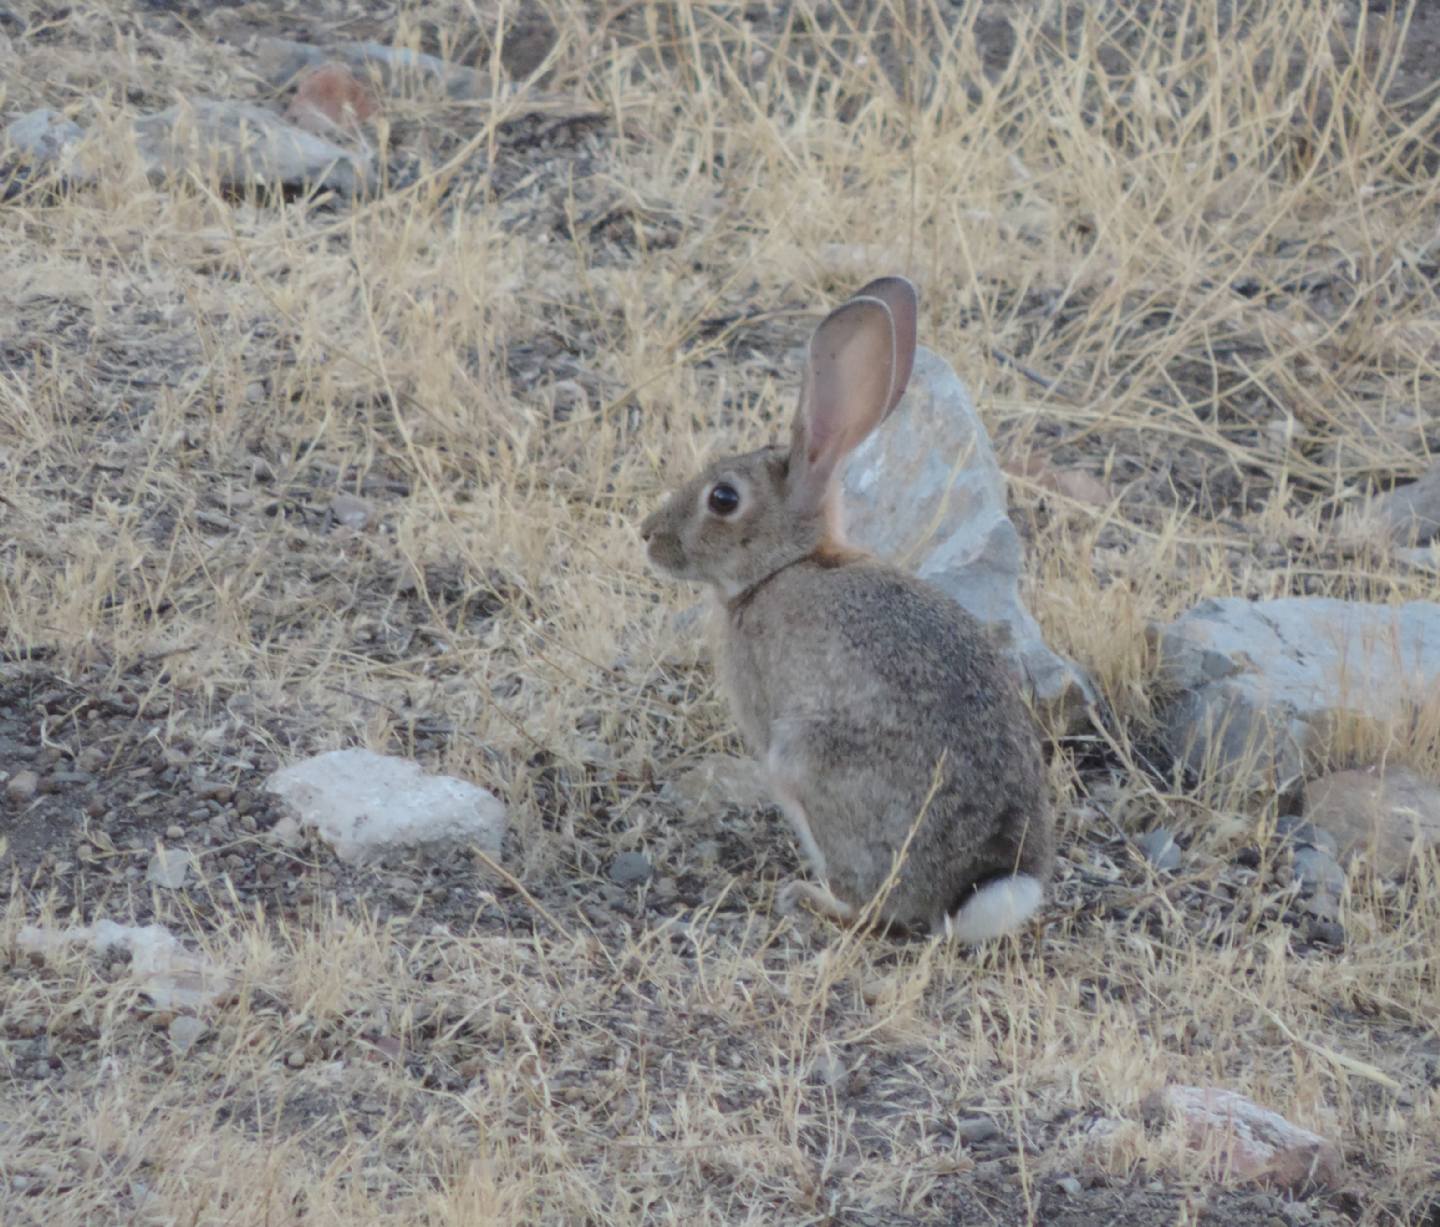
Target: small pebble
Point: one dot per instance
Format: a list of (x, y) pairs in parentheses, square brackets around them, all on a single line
[(1318, 869), (976, 1129), (1160, 849), (1305, 834), (630, 869), (22, 786), (174, 833), (295, 1058), (829, 1070), (169, 867), (1327, 933), (185, 1032), (1070, 1186), (706, 853), (351, 511)]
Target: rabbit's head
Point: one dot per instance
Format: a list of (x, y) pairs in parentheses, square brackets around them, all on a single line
[(745, 517)]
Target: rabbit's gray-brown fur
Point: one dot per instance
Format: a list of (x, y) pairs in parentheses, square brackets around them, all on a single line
[(862, 690)]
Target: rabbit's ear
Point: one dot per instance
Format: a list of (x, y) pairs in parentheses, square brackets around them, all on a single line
[(899, 295), (846, 392)]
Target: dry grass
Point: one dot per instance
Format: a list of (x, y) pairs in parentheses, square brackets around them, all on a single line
[(1215, 237)]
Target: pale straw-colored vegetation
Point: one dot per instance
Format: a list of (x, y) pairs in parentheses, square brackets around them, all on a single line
[(1190, 251)]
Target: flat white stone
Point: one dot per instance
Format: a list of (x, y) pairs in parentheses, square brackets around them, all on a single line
[(365, 804), (1259, 684)]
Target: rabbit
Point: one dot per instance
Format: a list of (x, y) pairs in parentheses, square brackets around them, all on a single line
[(871, 699)]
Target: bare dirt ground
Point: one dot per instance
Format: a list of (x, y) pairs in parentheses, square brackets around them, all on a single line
[(1188, 249)]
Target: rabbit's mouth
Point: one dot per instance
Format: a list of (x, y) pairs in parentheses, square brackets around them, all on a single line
[(665, 555), (663, 547)]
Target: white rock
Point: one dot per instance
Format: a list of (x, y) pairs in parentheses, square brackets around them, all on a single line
[(1263, 682), (364, 804), (924, 491), (44, 137), (1245, 1141), (167, 973), (352, 511), (248, 147), (1384, 816), (185, 1032), (1160, 849), (169, 867)]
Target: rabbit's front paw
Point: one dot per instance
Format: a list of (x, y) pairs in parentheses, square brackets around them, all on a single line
[(790, 896)]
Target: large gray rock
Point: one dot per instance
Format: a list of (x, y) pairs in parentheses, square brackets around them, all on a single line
[(924, 491), (1258, 684), (365, 804), (248, 147)]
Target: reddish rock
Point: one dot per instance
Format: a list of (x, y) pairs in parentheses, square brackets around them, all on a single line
[(1244, 1141), (1383, 816), (330, 96)]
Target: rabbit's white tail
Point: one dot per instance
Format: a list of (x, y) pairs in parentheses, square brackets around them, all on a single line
[(996, 908)]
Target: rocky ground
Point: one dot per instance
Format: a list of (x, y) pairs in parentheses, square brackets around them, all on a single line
[(284, 470)]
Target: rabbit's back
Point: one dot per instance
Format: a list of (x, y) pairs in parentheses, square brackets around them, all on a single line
[(862, 683)]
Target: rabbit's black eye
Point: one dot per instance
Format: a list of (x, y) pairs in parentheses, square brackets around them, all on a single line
[(723, 499)]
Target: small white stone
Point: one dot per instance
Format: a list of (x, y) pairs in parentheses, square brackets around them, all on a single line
[(43, 136), (351, 511), (185, 1032), (169, 867), (167, 973), (364, 804)]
